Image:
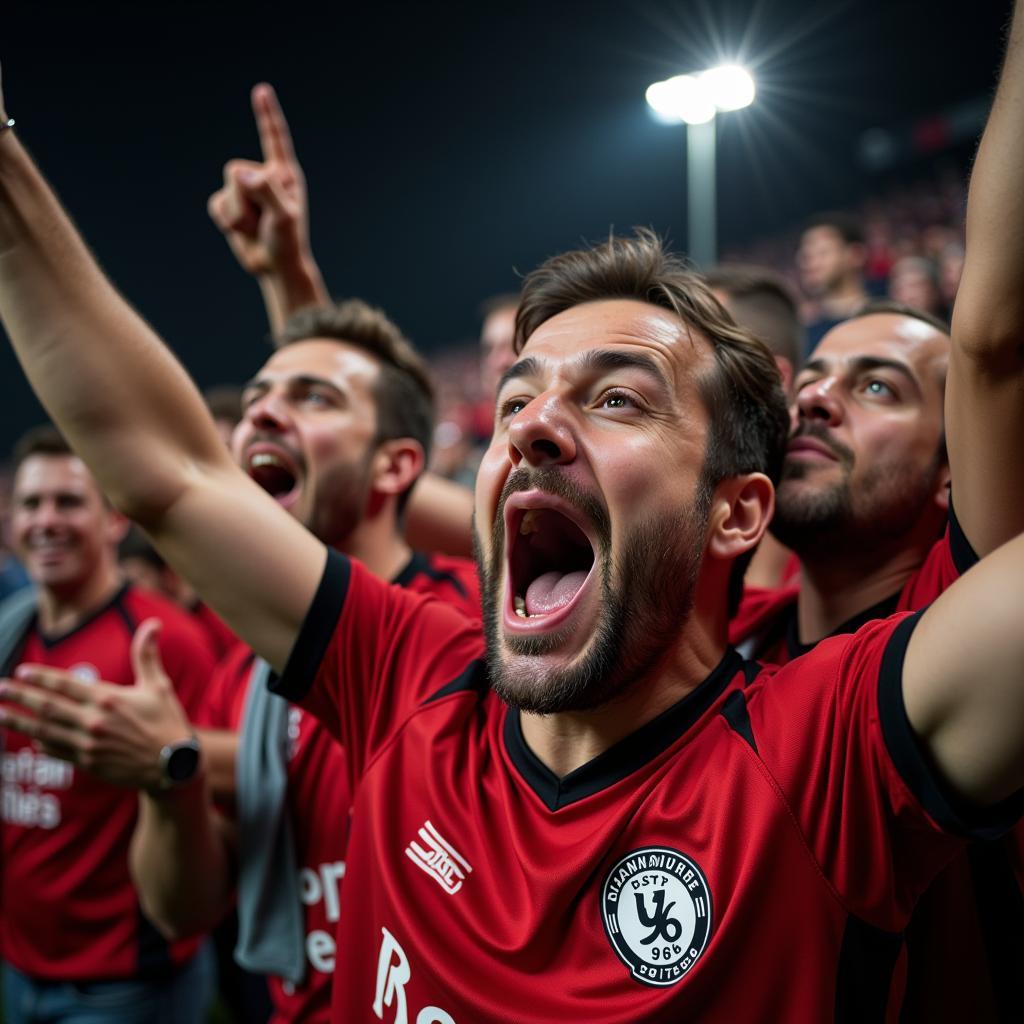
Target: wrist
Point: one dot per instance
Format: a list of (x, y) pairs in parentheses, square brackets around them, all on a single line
[(179, 765), (297, 283)]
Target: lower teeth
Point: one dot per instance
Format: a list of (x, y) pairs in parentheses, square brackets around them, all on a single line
[(520, 607)]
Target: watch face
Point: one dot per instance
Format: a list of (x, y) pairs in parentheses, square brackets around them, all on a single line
[(182, 762)]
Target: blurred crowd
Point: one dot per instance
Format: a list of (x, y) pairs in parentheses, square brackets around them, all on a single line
[(906, 244)]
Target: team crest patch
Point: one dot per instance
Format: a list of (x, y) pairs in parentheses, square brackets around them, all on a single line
[(656, 906)]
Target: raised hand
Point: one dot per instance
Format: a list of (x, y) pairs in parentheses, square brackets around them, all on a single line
[(262, 208), (114, 732)]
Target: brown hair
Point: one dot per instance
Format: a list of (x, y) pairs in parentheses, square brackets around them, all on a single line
[(45, 439), (403, 393), (761, 300), (748, 418)]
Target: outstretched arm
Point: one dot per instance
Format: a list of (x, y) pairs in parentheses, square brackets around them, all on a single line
[(263, 211), (985, 390), (130, 410)]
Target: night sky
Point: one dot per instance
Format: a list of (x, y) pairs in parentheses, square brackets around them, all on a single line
[(448, 147)]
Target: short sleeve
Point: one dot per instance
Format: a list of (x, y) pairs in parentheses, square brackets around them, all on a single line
[(832, 730), (369, 653)]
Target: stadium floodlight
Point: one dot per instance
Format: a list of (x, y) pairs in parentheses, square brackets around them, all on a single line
[(728, 87), (682, 98), (694, 100)]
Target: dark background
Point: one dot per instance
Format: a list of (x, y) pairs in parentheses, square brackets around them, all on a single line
[(449, 147)]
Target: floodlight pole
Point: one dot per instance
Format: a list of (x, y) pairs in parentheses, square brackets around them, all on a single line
[(701, 196)]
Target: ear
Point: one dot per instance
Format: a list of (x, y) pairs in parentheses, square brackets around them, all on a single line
[(942, 482), (396, 466), (117, 526), (740, 512)]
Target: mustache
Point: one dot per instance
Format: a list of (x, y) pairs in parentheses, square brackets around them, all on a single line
[(551, 481), (821, 434), (267, 437)]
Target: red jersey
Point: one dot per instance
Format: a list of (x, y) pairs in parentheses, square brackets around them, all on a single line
[(750, 854), (221, 640), (70, 911), (965, 942), (320, 793), (765, 625)]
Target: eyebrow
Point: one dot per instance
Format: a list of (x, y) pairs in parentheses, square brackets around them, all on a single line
[(305, 380), (864, 364), (600, 360)]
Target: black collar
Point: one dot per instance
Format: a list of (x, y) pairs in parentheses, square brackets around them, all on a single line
[(628, 755), (50, 641), (882, 610)]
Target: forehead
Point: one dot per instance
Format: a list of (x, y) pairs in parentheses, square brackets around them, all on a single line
[(887, 336), (53, 472), (625, 324), (347, 366)]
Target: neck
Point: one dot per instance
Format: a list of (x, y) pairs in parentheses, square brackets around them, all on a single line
[(379, 546), (62, 609), (835, 589), (768, 564), (565, 741)]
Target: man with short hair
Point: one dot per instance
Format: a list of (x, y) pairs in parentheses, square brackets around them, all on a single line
[(645, 810), (863, 499), (336, 427), (830, 264), (74, 936)]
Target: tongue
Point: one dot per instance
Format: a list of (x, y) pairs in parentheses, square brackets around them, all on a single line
[(553, 590)]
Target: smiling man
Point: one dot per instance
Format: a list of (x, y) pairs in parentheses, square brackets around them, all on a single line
[(74, 937), (642, 812)]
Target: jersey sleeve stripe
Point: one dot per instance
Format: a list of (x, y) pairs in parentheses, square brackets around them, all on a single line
[(317, 630), (949, 810)]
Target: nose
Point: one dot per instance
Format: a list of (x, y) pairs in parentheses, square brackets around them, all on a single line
[(820, 401), (269, 411), (541, 433), (46, 516)]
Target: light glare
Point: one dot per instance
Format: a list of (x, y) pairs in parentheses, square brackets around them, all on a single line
[(695, 98), (728, 87), (683, 98)]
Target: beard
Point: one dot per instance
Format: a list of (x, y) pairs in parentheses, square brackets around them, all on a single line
[(646, 595), (339, 501), (886, 505)]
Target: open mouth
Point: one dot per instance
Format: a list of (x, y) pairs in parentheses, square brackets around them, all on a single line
[(550, 559), (275, 473)]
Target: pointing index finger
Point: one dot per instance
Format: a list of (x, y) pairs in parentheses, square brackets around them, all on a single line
[(275, 136)]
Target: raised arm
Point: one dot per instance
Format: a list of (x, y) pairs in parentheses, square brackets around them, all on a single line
[(963, 687), (985, 390), (133, 414), (263, 211)]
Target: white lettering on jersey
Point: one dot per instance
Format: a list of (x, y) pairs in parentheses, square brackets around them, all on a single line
[(314, 886), (447, 867), (393, 975), (24, 774)]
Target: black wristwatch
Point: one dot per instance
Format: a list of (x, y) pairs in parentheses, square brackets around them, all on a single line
[(179, 763)]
